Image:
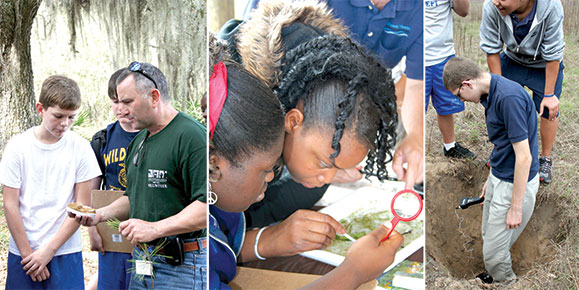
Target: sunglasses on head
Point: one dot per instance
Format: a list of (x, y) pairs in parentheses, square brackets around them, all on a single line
[(136, 66)]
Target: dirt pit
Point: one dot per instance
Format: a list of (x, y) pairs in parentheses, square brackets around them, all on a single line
[(454, 240)]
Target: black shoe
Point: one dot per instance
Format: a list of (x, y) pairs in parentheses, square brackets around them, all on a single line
[(545, 169), (485, 277), (458, 152)]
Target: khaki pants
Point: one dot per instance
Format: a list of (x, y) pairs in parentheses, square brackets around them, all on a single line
[(497, 240)]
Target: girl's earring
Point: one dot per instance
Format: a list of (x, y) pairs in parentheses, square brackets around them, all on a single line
[(211, 195)]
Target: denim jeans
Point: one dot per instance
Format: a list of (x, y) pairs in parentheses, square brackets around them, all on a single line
[(192, 274)]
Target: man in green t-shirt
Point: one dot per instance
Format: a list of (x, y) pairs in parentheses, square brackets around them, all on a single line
[(165, 201)]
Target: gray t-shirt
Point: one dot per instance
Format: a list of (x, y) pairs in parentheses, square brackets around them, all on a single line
[(437, 31)]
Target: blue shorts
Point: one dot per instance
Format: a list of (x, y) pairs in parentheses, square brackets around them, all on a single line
[(444, 102), (114, 271), (66, 272), (192, 274), (532, 78)]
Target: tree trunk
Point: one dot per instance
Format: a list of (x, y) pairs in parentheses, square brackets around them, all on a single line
[(16, 80), (220, 11)]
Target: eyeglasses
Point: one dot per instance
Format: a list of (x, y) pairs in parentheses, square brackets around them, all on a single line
[(140, 149), (136, 66)]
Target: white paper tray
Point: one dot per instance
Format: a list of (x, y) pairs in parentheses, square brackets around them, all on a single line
[(365, 197)]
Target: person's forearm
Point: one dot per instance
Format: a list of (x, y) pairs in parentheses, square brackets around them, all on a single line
[(494, 63), (190, 219), (68, 228), (14, 220), (460, 7), (95, 185), (247, 250), (521, 176), (412, 108), (118, 209), (551, 73)]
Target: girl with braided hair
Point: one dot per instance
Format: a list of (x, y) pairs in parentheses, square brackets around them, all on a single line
[(339, 106), (242, 160)]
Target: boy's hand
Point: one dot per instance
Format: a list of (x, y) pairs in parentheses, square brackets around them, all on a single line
[(96, 242), (484, 189), (44, 275), (35, 263), (551, 104), (514, 217)]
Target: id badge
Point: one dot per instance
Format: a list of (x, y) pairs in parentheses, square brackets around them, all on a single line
[(144, 267)]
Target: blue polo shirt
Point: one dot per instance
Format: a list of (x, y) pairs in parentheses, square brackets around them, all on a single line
[(391, 33), (510, 117), (522, 28)]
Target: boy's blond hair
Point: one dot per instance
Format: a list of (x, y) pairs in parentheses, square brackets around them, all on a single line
[(60, 91)]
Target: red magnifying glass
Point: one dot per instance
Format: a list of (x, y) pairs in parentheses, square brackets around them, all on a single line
[(406, 206)]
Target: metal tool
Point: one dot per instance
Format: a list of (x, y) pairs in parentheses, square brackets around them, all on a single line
[(466, 202)]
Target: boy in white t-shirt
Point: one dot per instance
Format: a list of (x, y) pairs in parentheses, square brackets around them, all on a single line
[(42, 170)]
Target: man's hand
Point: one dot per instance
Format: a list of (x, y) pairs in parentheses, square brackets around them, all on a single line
[(96, 242), (35, 263), (304, 230), (514, 217), (86, 220), (410, 151), (552, 104), (138, 231)]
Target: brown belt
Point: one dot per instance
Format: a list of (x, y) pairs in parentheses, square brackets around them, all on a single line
[(194, 246)]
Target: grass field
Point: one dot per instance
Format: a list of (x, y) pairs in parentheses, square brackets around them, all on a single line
[(559, 200)]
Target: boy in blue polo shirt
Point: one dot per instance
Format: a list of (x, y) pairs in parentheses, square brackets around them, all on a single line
[(513, 181), (43, 169)]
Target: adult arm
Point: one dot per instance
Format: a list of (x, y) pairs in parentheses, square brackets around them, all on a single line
[(304, 230), (119, 209), (36, 262), (460, 7), (523, 160), (551, 103), (365, 260), (411, 148), (192, 218)]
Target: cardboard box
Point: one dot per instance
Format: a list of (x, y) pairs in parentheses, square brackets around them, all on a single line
[(113, 241), (251, 278)]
